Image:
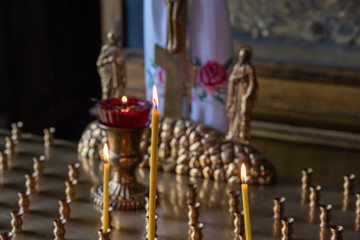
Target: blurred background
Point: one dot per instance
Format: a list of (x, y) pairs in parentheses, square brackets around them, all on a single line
[(306, 53)]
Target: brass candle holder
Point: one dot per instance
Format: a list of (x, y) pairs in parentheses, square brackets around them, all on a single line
[(125, 193), (104, 236)]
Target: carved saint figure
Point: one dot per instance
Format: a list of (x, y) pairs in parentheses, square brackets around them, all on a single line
[(242, 96), (111, 68), (173, 12)]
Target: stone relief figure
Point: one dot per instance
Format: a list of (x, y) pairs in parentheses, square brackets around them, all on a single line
[(242, 96), (111, 68), (173, 12)]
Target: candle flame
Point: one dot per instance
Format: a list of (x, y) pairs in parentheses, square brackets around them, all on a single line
[(105, 154), (155, 97), (124, 99), (243, 173)]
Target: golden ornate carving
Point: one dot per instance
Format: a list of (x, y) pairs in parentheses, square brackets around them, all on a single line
[(194, 144)]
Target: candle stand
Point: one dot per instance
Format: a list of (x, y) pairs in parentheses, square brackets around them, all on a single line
[(125, 192)]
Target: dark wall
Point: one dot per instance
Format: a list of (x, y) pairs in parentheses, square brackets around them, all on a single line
[(47, 64)]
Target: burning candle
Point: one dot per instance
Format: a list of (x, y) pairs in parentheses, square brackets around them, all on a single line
[(153, 165), (105, 157), (245, 198), (124, 101)]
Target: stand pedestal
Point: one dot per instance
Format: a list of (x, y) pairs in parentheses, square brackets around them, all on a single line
[(125, 192)]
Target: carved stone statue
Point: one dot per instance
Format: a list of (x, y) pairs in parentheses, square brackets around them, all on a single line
[(173, 29), (111, 68), (242, 96)]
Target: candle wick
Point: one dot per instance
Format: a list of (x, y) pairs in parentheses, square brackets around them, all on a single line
[(106, 161)]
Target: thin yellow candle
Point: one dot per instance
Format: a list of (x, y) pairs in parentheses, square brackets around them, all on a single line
[(245, 198), (105, 157), (153, 165)]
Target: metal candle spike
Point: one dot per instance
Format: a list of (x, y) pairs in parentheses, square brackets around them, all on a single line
[(306, 178), (193, 213), (73, 171), (59, 229), (349, 184), (64, 209), (24, 201), (9, 145), (6, 236), (287, 228), (70, 190), (357, 210), (16, 129), (325, 215), (16, 221), (191, 193), (336, 232), (38, 166), (49, 137), (239, 223), (3, 160), (314, 196), (278, 207), (195, 230), (30, 184), (241, 237), (234, 201), (104, 236)]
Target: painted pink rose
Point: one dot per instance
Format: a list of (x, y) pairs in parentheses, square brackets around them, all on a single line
[(212, 74), (160, 75), (193, 97)]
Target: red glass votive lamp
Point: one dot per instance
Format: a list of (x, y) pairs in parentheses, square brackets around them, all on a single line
[(124, 112)]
